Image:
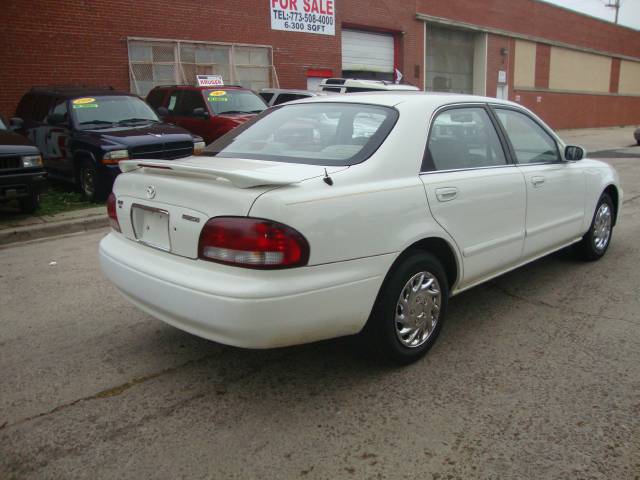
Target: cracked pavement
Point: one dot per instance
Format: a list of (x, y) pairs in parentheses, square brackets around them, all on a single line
[(535, 375)]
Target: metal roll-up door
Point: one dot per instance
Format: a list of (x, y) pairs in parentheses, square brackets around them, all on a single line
[(367, 55)]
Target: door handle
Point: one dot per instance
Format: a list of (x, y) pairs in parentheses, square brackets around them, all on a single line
[(446, 194), (537, 181)]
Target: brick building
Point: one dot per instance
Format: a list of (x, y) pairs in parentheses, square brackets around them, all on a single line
[(573, 70)]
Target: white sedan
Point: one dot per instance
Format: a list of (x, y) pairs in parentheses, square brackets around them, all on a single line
[(290, 230)]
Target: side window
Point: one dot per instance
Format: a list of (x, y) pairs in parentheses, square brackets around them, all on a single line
[(187, 101), (529, 140), (155, 98), (60, 109), (463, 138), (41, 106), (173, 99), (288, 97), (266, 96)]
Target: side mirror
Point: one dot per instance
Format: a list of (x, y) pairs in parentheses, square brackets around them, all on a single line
[(16, 123), (162, 112), (573, 152), (200, 112), (56, 119)]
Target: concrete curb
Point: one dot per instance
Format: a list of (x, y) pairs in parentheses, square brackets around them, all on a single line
[(42, 230)]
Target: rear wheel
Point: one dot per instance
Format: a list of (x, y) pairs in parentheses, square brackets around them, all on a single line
[(409, 311), (596, 241)]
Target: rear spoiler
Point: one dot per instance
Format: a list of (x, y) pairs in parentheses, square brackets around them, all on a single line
[(238, 177)]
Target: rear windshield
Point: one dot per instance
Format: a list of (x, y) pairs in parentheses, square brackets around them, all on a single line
[(91, 112), (312, 133), (234, 101)]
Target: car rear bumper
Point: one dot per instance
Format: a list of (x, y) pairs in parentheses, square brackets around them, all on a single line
[(21, 185), (243, 307)]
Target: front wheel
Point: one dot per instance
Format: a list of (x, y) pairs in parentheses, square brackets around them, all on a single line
[(92, 184), (596, 241), (408, 314), (30, 204)]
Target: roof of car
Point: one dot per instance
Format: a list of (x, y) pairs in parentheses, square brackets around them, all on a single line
[(392, 99), (365, 83), (210, 87), (73, 91), (295, 91)]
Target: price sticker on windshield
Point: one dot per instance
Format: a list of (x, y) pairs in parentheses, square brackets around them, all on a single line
[(218, 96), (86, 102)]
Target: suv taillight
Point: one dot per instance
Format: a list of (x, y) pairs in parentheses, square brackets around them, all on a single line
[(111, 212), (252, 243)]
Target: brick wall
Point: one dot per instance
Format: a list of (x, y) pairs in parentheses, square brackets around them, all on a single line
[(84, 41)]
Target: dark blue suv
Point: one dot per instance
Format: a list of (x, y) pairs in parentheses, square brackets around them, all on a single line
[(83, 134)]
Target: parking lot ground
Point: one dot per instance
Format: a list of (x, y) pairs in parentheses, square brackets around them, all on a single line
[(535, 375)]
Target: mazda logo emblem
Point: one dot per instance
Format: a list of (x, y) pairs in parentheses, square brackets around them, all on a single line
[(151, 191)]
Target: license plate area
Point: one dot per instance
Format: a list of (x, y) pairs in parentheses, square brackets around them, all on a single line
[(151, 226)]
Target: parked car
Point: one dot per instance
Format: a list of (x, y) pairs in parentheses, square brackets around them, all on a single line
[(84, 132), (636, 135), (281, 238), (209, 112), (278, 96), (354, 85), (22, 175)]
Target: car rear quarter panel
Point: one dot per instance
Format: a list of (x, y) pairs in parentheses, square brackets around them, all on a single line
[(373, 208)]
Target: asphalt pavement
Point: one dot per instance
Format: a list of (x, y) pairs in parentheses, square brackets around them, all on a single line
[(535, 375)]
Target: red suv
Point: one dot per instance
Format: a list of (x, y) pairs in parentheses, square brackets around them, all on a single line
[(209, 112)]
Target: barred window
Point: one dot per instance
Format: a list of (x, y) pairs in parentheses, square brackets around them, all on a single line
[(153, 63)]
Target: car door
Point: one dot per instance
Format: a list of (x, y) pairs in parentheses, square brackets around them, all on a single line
[(555, 188), (57, 133), (181, 112), (474, 192)]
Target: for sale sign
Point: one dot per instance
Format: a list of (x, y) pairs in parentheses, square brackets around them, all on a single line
[(209, 80), (309, 16)]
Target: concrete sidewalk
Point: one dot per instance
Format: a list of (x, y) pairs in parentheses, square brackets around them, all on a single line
[(602, 139), (35, 226)]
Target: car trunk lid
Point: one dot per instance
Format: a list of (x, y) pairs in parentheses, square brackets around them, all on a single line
[(164, 204)]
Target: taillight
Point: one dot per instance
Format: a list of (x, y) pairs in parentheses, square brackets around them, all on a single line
[(252, 243), (111, 212)]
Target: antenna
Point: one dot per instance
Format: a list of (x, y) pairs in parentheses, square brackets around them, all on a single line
[(615, 4)]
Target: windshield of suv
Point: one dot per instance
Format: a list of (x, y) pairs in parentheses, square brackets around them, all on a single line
[(111, 110), (3, 126), (337, 134), (233, 101)]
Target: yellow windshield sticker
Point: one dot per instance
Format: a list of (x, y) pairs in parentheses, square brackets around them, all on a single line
[(217, 93), (83, 101)]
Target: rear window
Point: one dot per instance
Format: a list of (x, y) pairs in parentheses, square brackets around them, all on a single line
[(233, 101), (315, 133)]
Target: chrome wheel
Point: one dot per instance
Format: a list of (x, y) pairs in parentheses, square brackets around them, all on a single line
[(602, 227), (418, 309)]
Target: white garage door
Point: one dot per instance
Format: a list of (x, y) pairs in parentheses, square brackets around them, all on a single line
[(368, 52)]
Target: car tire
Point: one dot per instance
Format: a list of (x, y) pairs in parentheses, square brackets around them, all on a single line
[(412, 302), (30, 204), (92, 185), (595, 242)]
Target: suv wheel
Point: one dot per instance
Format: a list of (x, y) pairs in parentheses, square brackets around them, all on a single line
[(91, 184), (408, 314), (30, 204)]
